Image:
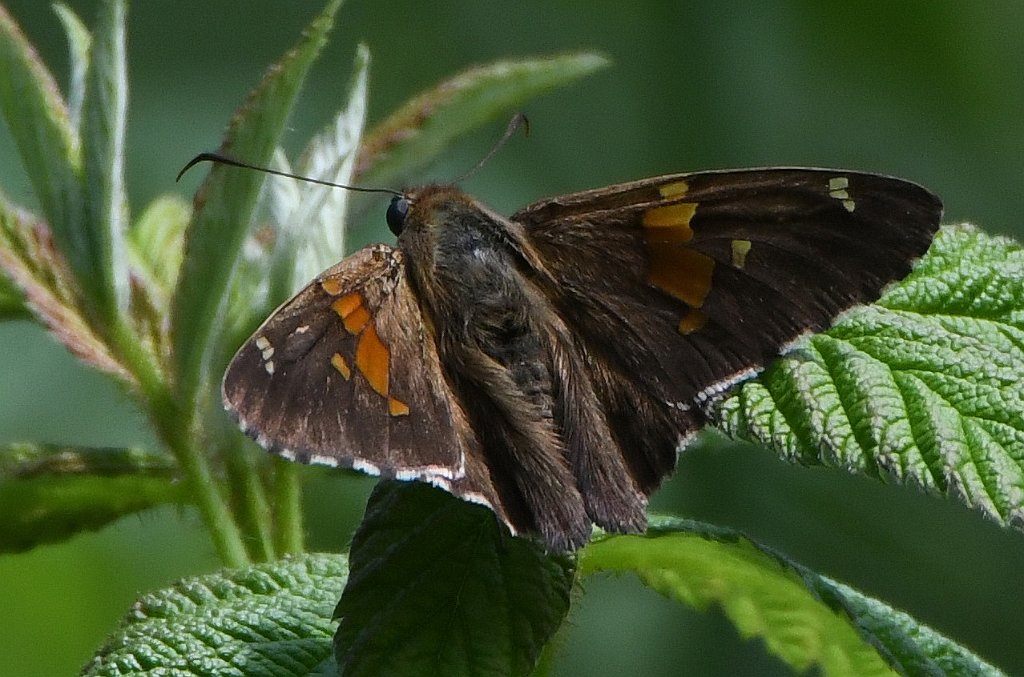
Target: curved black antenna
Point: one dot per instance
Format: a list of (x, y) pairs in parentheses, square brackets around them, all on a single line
[(218, 158), (518, 121)]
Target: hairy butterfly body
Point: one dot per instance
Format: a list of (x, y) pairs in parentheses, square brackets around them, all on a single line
[(551, 364)]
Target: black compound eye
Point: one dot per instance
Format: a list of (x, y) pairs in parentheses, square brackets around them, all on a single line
[(397, 211)]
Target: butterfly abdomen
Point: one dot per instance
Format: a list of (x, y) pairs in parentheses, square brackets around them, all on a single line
[(496, 360)]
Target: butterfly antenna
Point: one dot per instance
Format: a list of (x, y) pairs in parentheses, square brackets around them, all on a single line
[(518, 121), (218, 158)]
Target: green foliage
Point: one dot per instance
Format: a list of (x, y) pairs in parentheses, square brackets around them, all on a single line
[(920, 389), (419, 131), (227, 201), (49, 493), (268, 619), (439, 588), (806, 619)]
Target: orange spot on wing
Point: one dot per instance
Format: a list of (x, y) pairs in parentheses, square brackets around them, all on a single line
[(341, 364), (356, 320), (347, 303), (397, 408), (373, 360), (331, 285), (670, 223), (352, 312), (693, 321), (680, 272)]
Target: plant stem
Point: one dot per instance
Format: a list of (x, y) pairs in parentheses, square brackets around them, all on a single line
[(288, 506), (176, 430), (252, 500), (175, 427)]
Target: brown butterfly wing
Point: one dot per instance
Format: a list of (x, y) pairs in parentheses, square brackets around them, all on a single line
[(681, 285), (344, 374)]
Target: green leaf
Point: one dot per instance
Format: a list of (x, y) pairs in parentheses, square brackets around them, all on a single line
[(310, 218), (438, 587), (28, 258), (320, 215), (420, 130), (155, 243), (262, 621), (42, 131), (923, 388), (50, 493), (12, 301), (154, 246), (99, 258), (805, 619), (225, 204), (79, 45), (920, 649), (308, 222)]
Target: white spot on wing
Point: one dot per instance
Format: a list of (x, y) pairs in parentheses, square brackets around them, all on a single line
[(269, 366), (262, 342), (427, 472), (474, 497), (365, 466), (439, 482), (320, 459), (740, 249), (302, 330), (837, 188)]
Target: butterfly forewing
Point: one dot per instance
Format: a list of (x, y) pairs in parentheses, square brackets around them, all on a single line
[(703, 277), (342, 375)]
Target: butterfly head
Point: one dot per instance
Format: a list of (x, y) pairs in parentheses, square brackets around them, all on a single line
[(425, 210), (397, 212)]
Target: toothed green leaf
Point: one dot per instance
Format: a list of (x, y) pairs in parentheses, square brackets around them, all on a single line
[(270, 620), (922, 388), (805, 619), (421, 552), (27, 257), (38, 120), (50, 493)]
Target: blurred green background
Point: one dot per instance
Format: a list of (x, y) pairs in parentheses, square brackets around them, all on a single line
[(932, 90)]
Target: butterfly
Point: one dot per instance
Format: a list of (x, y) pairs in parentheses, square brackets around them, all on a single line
[(551, 365)]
